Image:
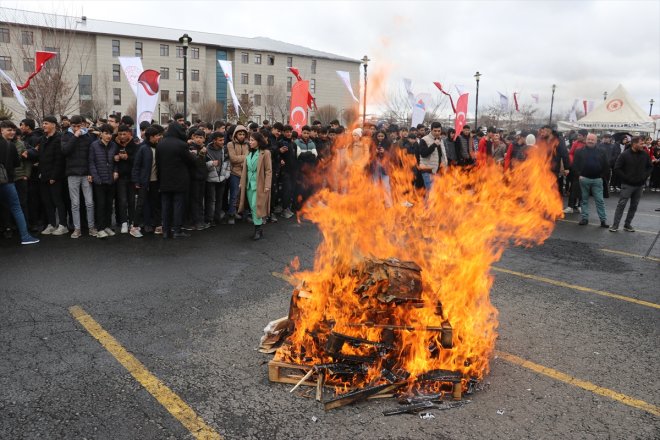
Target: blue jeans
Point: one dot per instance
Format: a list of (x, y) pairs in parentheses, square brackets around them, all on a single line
[(428, 180), (595, 187), (9, 198), (234, 192)]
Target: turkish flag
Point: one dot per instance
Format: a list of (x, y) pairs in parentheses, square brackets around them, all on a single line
[(439, 86), (296, 73), (461, 112), (299, 100), (40, 59)]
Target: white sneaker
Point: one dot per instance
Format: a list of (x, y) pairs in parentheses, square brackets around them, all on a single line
[(76, 233), (135, 232), (287, 213), (48, 230), (124, 228), (61, 230), (101, 234), (568, 210), (109, 232), (407, 204)]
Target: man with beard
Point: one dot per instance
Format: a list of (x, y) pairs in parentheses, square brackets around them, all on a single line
[(549, 138), (590, 164)]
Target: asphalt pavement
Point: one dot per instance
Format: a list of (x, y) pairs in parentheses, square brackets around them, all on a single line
[(192, 312)]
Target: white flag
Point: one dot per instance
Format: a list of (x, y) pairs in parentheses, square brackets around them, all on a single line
[(504, 101), (132, 67), (226, 68), (17, 92), (346, 79), (419, 109), (407, 83), (572, 117)]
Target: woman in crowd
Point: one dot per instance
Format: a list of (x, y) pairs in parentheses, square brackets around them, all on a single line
[(256, 179)]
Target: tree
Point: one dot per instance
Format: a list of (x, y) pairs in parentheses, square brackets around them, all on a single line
[(276, 104), (398, 108), (326, 113), (208, 109), (5, 113), (246, 110), (350, 116)]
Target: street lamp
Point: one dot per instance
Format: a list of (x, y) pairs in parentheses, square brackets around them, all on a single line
[(604, 96), (365, 60), (552, 103), (185, 40), (651, 107), (476, 102)]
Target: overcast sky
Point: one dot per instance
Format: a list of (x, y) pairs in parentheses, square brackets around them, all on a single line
[(584, 47)]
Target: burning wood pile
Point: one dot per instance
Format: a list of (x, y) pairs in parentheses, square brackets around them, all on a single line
[(364, 356)]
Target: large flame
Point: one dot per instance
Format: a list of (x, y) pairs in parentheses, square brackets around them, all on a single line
[(454, 233)]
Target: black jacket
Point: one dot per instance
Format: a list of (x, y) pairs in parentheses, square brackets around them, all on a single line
[(125, 167), (51, 159), (76, 153), (9, 158), (633, 167), (591, 162), (174, 160), (559, 156), (142, 163)]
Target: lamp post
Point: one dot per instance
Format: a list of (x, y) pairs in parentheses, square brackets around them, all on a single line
[(185, 40), (604, 96), (365, 60), (476, 102), (552, 103), (651, 102)]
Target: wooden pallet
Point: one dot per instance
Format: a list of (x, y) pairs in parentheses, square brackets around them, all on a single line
[(283, 372)]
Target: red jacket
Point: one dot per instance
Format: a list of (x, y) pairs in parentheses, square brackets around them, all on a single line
[(576, 146)]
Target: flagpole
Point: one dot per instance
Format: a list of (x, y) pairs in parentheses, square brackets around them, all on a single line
[(185, 40), (476, 104), (365, 60), (552, 103)]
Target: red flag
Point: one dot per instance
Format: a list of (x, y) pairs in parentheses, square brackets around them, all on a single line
[(296, 73), (439, 86), (299, 102), (39, 60), (311, 101), (461, 108), (515, 100)]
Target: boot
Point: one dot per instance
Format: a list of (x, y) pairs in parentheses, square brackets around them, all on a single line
[(258, 233)]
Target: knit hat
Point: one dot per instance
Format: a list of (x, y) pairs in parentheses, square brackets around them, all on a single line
[(358, 131), (530, 139), (51, 119)]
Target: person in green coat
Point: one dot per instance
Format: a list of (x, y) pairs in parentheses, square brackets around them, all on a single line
[(256, 178)]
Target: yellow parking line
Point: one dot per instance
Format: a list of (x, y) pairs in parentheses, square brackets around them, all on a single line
[(166, 397), (627, 254), (637, 230), (562, 377), (580, 288)]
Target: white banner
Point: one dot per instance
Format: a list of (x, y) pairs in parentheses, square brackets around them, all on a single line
[(226, 68), (572, 117), (148, 93), (419, 109), (346, 79), (17, 92), (504, 101), (132, 67)]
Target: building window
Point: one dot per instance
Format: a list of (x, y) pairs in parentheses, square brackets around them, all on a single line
[(164, 118), (271, 80), (244, 97), (116, 73), (245, 78), (313, 66), (194, 97), (289, 83), (269, 99), (7, 91), (312, 85), (245, 57), (28, 65), (257, 79), (194, 116), (164, 50), (257, 58), (289, 61), (257, 100), (164, 73), (179, 96), (116, 96), (164, 95), (179, 74), (27, 38), (5, 63), (4, 35), (85, 87), (194, 53), (194, 75), (138, 49), (271, 60), (179, 51), (115, 48)]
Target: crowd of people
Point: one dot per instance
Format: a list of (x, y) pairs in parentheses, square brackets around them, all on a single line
[(74, 176)]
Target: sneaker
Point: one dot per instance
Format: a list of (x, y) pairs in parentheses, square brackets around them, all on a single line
[(272, 218), (568, 210), (202, 226), (76, 233), (109, 232), (61, 230), (407, 204), (158, 230), (180, 235), (48, 230), (604, 224), (231, 220), (614, 229), (188, 227), (30, 240), (628, 228), (287, 213), (102, 234), (577, 210), (277, 209), (583, 222), (135, 232), (93, 232), (124, 228), (237, 216)]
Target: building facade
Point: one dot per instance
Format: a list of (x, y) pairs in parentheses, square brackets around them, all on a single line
[(87, 78)]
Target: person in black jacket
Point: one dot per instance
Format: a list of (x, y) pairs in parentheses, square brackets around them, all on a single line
[(8, 195), (145, 179), (590, 164), (198, 180), (75, 147), (103, 169), (51, 176), (633, 167), (125, 191), (173, 163)]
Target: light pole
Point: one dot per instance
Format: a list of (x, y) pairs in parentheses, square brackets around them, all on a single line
[(185, 40), (604, 96), (365, 60), (651, 102), (552, 103), (476, 102)]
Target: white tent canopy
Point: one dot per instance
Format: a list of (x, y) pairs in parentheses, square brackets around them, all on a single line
[(618, 113)]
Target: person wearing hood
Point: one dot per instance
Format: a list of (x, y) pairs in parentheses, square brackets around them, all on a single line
[(256, 179), (173, 164), (237, 150)]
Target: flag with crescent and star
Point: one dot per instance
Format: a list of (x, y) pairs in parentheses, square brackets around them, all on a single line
[(226, 69), (39, 60), (311, 101), (451, 100), (147, 96), (298, 115), (461, 112)]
